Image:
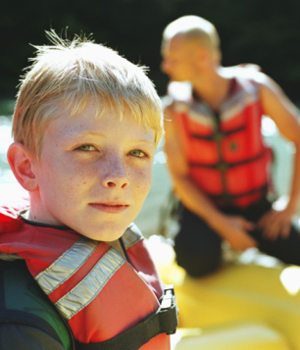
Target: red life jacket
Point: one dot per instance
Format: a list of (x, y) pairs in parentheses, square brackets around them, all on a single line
[(96, 290), (225, 151)]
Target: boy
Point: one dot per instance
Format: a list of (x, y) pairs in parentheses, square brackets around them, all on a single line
[(86, 126)]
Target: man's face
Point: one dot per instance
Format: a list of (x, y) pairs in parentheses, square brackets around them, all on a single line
[(178, 59), (94, 173)]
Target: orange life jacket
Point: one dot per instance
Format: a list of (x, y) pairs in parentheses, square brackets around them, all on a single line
[(95, 289), (225, 150)]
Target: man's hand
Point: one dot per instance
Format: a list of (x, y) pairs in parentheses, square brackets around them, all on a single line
[(276, 223), (234, 230)]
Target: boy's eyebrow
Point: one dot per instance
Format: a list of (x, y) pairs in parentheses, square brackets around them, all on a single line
[(93, 133)]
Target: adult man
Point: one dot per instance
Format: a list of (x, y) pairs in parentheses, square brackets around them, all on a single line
[(218, 161)]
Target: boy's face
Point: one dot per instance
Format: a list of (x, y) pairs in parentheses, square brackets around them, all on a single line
[(94, 173)]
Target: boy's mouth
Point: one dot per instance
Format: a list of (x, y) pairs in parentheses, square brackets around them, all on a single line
[(113, 208)]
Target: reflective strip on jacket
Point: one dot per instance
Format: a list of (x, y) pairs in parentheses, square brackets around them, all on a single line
[(97, 291)]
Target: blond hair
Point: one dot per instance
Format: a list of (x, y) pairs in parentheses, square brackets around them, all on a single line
[(195, 28), (74, 73)]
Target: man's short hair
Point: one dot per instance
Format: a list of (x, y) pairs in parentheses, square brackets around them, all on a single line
[(195, 28)]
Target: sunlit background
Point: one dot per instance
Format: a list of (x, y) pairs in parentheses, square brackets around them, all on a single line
[(266, 33)]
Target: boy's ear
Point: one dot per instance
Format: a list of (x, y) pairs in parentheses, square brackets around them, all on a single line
[(21, 163)]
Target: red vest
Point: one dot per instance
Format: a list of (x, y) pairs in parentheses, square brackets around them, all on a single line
[(95, 289), (225, 151)]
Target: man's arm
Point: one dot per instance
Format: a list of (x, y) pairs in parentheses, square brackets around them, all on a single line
[(233, 229), (286, 116)]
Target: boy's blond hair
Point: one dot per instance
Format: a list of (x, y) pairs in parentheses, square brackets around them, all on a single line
[(195, 28), (74, 73)]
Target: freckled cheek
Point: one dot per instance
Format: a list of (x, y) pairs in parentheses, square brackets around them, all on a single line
[(143, 180), (71, 178)]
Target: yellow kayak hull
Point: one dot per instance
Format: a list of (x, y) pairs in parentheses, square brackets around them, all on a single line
[(244, 305)]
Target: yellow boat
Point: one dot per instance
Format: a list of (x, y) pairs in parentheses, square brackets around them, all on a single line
[(252, 302)]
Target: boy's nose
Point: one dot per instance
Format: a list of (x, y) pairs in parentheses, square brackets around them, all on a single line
[(115, 175), (116, 183)]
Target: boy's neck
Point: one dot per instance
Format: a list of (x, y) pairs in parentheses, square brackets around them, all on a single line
[(25, 216)]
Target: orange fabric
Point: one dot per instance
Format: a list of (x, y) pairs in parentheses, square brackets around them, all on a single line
[(130, 295), (229, 158)]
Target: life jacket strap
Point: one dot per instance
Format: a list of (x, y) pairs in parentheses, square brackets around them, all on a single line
[(164, 320)]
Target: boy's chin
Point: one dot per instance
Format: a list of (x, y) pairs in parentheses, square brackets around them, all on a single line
[(105, 235)]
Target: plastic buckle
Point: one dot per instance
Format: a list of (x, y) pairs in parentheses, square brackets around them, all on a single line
[(168, 299)]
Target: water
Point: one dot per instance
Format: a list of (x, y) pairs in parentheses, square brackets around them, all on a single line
[(6, 175), (148, 219)]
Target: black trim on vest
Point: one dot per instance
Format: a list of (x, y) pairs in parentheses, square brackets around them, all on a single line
[(222, 165), (230, 197), (41, 224), (218, 135), (124, 250), (164, 320)]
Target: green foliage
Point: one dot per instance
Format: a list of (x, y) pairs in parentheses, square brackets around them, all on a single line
[(265, 32)]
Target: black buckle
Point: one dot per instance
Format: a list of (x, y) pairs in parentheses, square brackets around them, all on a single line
[(168, 307)]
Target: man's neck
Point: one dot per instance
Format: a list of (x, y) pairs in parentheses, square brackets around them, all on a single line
[(212, 88)]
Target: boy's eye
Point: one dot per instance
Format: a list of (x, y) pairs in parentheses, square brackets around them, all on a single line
[(138, 153), (85, 148)]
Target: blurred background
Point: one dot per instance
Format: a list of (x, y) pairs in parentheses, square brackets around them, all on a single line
[(263, 32), (252, 31)]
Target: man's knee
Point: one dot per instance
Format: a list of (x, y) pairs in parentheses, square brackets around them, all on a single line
[(200, 264)]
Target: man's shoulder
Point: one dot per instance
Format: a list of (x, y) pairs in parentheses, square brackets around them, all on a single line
[(179, 96), (246, 71), (180, 91)]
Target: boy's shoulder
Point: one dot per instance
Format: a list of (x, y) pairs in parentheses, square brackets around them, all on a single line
[(25, 307), (132, 235)]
